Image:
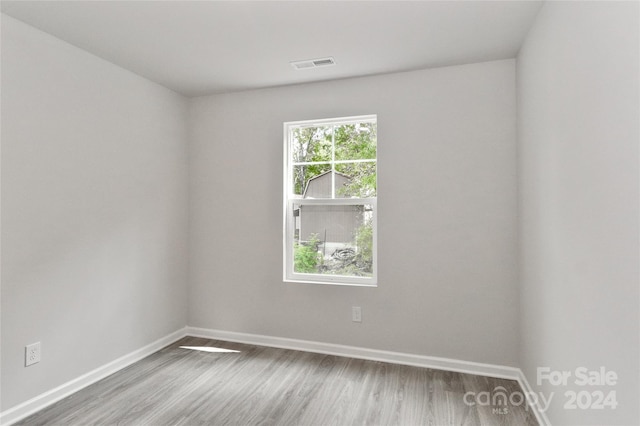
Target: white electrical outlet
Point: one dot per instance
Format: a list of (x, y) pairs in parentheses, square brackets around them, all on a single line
[(32, 354), (356, 314)]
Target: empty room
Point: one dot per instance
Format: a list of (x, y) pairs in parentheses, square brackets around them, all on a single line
[(320, 213)]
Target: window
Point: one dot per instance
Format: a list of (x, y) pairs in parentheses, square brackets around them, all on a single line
[(330, 191)]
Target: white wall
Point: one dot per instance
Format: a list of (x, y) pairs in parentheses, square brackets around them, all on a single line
[(447, 214), (578, 118), (93, 211)]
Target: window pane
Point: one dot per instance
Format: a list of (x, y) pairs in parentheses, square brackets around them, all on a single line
[(330, 162), (311, 181), (311, 144), (360, 180), (355, 141), (333, 240)]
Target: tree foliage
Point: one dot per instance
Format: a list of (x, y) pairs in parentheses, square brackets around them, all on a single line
[(306, 257), (364, 243), (346, 142)]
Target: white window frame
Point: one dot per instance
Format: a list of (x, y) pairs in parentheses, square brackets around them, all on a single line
[(289, 220)]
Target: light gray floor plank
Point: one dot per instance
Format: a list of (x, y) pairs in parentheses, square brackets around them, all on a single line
[(268, 386)]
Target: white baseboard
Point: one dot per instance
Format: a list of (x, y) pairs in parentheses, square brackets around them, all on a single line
[(540, 414), (490, 370), (41, 401)]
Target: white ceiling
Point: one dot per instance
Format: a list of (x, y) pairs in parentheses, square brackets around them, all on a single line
[(204, 47)]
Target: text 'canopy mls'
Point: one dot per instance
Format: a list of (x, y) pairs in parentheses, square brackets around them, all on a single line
[(348, 149)]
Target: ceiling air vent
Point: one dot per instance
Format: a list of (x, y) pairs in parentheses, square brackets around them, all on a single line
[(313, 63)]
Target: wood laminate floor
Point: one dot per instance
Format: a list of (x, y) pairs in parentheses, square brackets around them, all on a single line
[(266, 386)]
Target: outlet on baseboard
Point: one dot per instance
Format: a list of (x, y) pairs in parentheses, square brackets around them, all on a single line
[(356, 314), (32, 354)]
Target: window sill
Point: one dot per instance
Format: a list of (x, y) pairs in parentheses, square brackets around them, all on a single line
[(334, 283)]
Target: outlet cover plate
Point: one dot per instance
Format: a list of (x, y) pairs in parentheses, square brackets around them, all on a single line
[(32, 354), (356, 314)]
